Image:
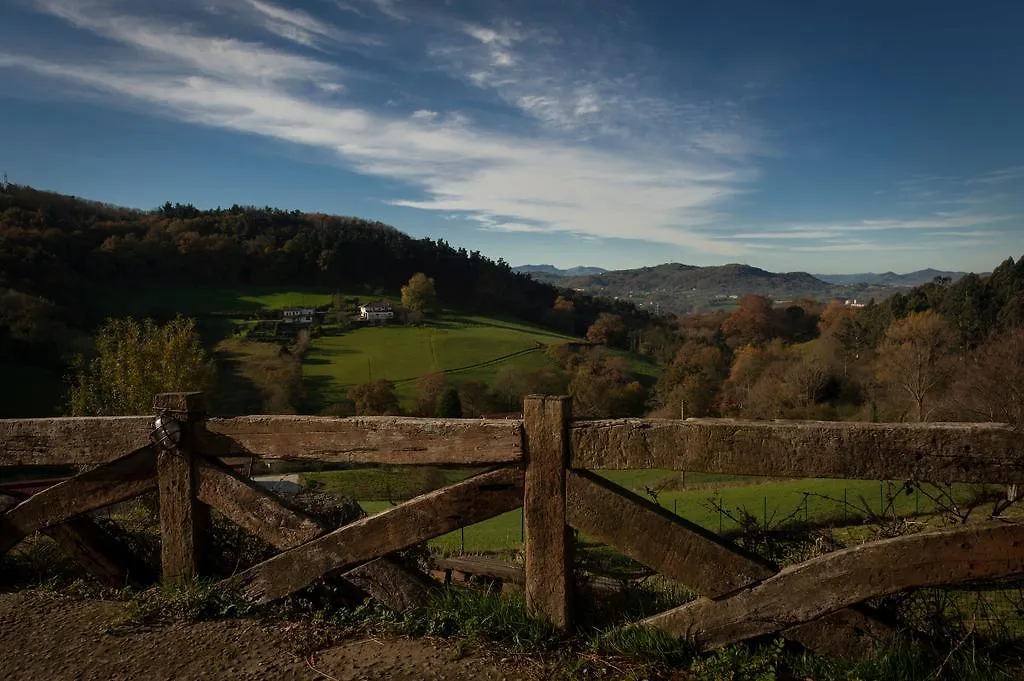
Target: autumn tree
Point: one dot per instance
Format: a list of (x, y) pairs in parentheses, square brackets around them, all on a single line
[(752, 322), (913, 364), (475, 398), (991, 385), (774, 381), (419, 295), (429, 389), (609, 329), (843, 335), (134, 362), (690, 384), (603, 387), (375, 398)]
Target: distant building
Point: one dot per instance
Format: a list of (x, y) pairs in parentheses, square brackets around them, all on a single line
[(298, 315), (375, 312)]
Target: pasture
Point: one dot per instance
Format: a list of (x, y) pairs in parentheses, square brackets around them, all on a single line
[(469, 348), (716, 502)]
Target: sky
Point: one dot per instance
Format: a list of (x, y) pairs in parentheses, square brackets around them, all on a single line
[(827, 137)]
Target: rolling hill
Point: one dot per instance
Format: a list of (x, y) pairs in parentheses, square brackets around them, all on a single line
[(890, 278), (681, 288)]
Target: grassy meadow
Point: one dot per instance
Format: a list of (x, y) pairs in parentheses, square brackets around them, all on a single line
[(467, 347), (696, 497)]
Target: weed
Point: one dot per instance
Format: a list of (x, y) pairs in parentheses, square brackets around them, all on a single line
[(478, 616), (186, 601)]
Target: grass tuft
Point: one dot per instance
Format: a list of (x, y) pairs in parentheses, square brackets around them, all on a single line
[(478, 617)]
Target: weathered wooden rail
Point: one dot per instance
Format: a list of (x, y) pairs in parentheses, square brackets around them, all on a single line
[(542, 463)]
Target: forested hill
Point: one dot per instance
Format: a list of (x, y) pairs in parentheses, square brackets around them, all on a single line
[(679, 287), (64, 250), (53, 246)]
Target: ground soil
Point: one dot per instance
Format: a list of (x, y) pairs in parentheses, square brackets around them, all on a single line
[(47, 636)]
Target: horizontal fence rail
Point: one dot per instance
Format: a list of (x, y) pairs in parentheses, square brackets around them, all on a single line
[(932, 452), (543, 464)]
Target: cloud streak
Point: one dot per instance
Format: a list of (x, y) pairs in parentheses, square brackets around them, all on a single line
[(502, 181)]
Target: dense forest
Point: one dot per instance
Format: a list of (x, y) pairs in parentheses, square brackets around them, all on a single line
[(942, 350)]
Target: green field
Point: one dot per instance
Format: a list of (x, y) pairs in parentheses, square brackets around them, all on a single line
[(466, 347), (781, 500)]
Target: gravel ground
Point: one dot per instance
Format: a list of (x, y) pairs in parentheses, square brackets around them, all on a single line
[(47, 636)]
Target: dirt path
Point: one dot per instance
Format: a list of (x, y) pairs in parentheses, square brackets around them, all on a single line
[(45, 636)]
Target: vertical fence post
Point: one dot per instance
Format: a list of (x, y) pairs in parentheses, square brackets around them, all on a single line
[(548, 545), (183, 518)]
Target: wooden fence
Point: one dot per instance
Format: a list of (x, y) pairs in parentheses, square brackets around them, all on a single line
[(543, 463)]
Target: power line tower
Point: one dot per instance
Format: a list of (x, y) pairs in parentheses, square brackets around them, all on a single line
[(4, 184)]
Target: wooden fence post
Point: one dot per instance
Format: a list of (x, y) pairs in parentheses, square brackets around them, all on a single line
[(183, 519), (548, 545)]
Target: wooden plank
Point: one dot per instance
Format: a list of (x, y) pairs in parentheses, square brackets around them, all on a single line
[(547, 547), (94, 549), (367, 439), (705, 562), (935, 452), (72, 441), (267, 516), (392, 583), (99, 553), (823, 585), (488, 567), (119, 480), (649, 534), (182, 521), (252, 507), (424, 517)]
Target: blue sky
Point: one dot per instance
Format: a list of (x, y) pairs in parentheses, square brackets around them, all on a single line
[(823, 137)]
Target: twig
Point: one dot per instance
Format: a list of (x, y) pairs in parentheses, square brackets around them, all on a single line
[(309, 663), (938, 671)]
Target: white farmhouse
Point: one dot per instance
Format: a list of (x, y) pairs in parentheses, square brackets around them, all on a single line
[(298, 315), (378, 311)]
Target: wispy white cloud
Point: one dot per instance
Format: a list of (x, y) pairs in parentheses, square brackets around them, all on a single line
[(938, 221), (298, 26), (999, 176), (389, 8), (503, 181), (592, 90)]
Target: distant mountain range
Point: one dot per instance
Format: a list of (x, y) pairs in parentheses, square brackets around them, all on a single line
[(687, 288), (890, 278), (550, 272)]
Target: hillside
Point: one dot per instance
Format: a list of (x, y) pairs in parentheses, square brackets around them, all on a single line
[(682, 288), (891, 278), (67, 263), (553, 275)]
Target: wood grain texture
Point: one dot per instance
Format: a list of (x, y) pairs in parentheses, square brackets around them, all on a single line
[(71, 440), (935, 452), (547, 548), (661, 540), (252, 507), (119, 480), (417, 520), (182, 520), (394, 584), (829, 583), (367, 439)]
